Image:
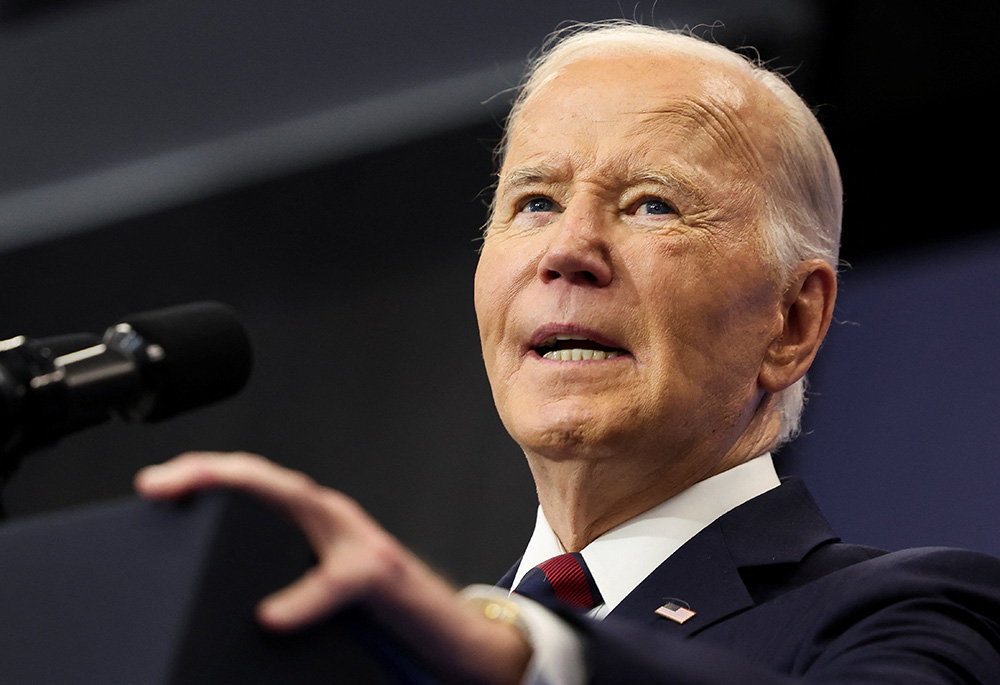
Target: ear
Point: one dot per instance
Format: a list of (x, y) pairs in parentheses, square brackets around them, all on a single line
[(806, 310)]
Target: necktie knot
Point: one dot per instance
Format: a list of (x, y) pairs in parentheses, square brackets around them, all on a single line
[(564, 578)]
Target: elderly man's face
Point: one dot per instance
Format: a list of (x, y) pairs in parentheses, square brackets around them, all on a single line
[(623, 298)]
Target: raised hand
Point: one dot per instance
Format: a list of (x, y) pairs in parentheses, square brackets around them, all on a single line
[(359, 562)]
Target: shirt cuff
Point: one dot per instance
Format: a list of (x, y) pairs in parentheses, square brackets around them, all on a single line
[(557, 649)]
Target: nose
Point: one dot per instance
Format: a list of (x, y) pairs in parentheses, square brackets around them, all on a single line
[(577, 250)]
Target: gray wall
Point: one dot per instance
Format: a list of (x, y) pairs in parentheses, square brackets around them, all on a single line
[(901, 435)]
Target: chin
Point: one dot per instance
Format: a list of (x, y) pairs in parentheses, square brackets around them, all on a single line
[(564, 432)]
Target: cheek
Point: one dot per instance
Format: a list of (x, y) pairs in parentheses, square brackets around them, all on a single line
[(501, 274), (494, 295), (486, 281), (713, 317)]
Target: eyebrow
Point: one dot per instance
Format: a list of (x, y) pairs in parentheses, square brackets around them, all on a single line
[(681, 181), (550, 173), (675, 179), (531, 175)]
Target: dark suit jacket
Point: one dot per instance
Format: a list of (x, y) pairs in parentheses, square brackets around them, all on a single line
[(778, 598)]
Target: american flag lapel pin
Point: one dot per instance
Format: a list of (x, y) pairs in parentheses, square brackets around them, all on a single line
[(675, 612)]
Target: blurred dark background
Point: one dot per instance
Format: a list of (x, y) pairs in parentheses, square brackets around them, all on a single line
[(325, 168)]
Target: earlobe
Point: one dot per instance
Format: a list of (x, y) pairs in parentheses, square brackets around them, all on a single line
[(806, 311)]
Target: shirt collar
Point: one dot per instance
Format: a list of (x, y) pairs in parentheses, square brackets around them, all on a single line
[(622, 557)]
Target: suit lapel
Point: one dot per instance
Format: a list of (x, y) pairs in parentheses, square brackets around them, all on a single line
[(507, 582), (779, 527), (701, 576)]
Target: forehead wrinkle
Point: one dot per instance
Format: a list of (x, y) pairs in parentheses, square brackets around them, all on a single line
[(724, 125)]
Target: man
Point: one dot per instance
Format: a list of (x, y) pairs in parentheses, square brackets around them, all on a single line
[(656, 279)]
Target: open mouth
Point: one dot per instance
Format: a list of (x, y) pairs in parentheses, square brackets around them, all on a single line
[(569, 347)]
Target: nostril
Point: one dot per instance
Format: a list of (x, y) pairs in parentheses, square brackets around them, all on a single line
[(577, 263), (579, 276)]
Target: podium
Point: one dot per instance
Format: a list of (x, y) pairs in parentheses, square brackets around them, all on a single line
[(133, 592)]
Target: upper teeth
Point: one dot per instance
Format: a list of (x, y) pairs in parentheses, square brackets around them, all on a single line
[(578, 354), (574, 353), (564, 336)]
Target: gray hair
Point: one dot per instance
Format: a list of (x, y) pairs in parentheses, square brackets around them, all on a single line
[(804, 202)]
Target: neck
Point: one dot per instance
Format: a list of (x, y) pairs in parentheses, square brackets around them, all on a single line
[(585, 496), (582, 500)]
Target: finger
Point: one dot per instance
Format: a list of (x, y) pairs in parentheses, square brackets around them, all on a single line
[(316, 510), (175, 478), (317, 594), (196, 471)]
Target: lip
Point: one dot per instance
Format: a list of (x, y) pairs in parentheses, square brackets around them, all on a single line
[(546, 331)]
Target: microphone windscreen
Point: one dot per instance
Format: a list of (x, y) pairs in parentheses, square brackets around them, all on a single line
[(207, 356)]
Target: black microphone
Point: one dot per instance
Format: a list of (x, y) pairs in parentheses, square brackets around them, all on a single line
[(150, 367)]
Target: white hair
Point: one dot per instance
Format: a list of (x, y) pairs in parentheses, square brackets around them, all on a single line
[(804, 198)]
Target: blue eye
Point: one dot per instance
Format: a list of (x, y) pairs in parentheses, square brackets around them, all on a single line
[(656, 207), (539, 204)]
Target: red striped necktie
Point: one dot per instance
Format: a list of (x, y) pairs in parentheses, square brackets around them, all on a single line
[(564, 578)]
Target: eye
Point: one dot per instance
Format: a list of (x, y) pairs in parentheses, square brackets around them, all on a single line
[(655, 206), (539, 204)]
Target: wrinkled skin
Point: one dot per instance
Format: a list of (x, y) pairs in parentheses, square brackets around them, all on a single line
[(629, 210)]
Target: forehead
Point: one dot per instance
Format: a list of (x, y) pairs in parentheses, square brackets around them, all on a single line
[(625, 109)]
